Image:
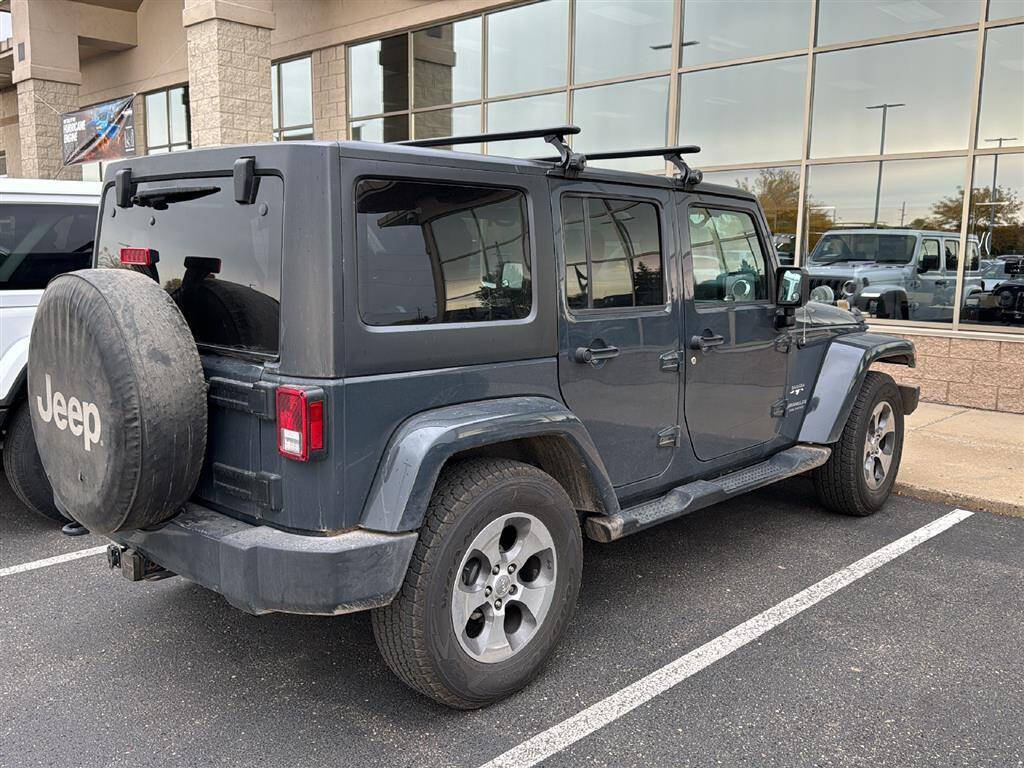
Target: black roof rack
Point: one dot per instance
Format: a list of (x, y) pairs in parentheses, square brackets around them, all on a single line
[(571, 163)]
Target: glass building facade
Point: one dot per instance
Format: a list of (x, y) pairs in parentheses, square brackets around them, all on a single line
[(859, 125)]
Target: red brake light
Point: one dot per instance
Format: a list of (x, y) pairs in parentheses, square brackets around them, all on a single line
[(300, 423), (139, 257)]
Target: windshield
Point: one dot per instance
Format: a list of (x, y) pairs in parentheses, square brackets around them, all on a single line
[(864, 246), (40, 241)]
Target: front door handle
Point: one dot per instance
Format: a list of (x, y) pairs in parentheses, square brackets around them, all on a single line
[(705, 343), (594, 355)]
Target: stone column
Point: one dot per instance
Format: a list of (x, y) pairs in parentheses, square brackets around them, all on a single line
[(40, 104), (329, 106), (229, 71)]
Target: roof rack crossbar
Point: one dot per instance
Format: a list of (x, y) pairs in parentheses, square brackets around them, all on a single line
[(559, 132), (674, 155)]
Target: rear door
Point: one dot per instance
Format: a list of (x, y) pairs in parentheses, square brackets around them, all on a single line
[(618, 365), (221, 263), (735, 362)]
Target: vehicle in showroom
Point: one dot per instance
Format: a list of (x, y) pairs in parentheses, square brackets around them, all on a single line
[(46, 228), (892, 273), (320, 378)]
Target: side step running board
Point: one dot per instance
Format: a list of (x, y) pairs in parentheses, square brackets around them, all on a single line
[(703, 493)]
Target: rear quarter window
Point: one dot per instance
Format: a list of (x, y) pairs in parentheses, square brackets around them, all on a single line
[(430, 253), (218, 259)]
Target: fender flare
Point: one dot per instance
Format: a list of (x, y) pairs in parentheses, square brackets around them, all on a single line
[(13, 368), (421, 445), (842, 374)]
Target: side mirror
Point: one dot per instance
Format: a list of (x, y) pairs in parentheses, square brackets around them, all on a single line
[(929, 263), (793, 285)]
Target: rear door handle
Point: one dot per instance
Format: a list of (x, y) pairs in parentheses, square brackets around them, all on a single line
[(705, 343), (594, 355)]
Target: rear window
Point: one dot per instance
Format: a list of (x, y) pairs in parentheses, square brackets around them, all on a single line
[(40, 241), (219, 260), (441, 253)]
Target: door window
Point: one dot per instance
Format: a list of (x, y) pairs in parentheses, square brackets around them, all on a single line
[(38, 242), (952, 254), (729, 264), (929, 255), (613, 253)]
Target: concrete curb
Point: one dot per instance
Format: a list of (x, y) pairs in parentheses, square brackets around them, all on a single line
[(973, 503)]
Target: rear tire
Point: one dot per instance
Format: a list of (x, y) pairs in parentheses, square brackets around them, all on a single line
[(24, 468), (452, 580), (859, 475)]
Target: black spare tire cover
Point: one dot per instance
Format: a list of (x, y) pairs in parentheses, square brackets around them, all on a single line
[(118, 399)]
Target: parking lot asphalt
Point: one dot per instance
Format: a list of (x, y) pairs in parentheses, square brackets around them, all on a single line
[(916, 663)]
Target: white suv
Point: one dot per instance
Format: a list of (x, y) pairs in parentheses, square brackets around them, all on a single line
[(46, 228)]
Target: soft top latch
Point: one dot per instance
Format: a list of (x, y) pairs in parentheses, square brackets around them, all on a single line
[(244, 173)]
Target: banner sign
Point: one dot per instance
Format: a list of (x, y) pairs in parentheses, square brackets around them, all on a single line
[(103, 132)]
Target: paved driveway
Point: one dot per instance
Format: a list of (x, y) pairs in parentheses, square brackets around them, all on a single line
[(916, 662)]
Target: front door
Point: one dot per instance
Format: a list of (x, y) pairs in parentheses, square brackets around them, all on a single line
[(735, 367), (618, 368)]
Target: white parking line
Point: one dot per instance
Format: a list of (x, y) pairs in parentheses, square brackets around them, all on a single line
[(568, 732), (11, 570)]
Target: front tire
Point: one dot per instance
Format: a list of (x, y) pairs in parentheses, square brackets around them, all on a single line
[(859, 475), (24, 468), (491, 587)]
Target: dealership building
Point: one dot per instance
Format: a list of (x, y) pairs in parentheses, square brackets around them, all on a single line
[(884, 138)]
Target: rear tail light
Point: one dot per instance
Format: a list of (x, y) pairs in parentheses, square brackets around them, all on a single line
[(300, 423), (139, 257)]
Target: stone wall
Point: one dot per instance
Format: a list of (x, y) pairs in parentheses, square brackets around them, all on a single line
[(329, 106), (10, 137), (229, 83), (971, 372), (40, 104)]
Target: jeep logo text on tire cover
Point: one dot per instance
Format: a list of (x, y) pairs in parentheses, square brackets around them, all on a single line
[(81, 418)]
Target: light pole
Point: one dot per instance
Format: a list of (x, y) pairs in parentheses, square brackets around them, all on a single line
[(881, 151), (992, 195)]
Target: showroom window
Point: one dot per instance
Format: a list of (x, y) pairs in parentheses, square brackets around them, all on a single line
[(870, 115), (167, 121), (292, 99)]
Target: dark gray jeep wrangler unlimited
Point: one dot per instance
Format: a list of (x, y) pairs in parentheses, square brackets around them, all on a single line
[(320, 378)]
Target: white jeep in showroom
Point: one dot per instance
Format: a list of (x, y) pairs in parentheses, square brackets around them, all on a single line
[(46, 229)]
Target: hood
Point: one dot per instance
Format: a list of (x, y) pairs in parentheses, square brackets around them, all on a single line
[(817, 315), (851, 269)]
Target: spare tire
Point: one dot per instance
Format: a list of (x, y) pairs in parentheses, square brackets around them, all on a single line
[(118, 399)]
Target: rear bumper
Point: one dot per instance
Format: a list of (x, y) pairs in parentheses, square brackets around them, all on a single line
[(259, 569)]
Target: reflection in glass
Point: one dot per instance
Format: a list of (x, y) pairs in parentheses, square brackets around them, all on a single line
[(996, 221), (728, 264), (296, 92), (457, 121), (616, 38), (778, 191), (876, 241), (1005, 9), (743, 114), (630, 115), (519, 114), (393, 128), (441, 253), (574, 237), (921, 89), (178, 115), (156, 119), (717, 31), (842, 20), (526, 48), (1001, 120), (446, 63), (625, 254), (379, 76)]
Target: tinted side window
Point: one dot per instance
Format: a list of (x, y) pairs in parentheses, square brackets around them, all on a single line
[(929, 255), (622, 267), (39, 242), (441, 253), (728, 263)]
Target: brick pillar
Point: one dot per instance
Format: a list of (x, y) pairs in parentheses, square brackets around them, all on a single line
[(329, 106), (228, 73), (40, 103)]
